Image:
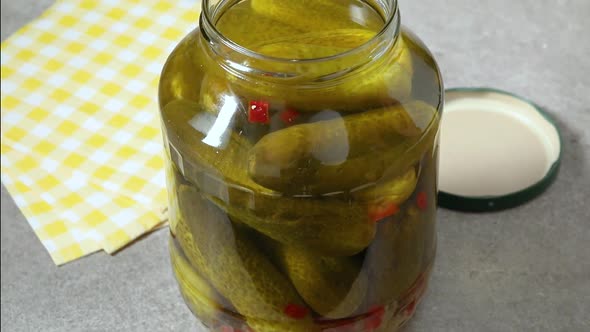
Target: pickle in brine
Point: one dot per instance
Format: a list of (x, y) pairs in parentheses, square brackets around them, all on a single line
[(332, 226), (333, 287), (196, 283), (341, 38), (247, 28), (239, 271), (201, 298), (394, 191), (315, 224), (384, 82), (198, 149), (385, 197), (394, 259), (291, 50), (182, 75), (343, 153), (315, 44), (318, 15)]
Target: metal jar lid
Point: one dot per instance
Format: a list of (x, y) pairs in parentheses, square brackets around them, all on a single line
[(497, 150)]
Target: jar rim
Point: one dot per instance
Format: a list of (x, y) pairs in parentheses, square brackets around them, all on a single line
[(209, 28)]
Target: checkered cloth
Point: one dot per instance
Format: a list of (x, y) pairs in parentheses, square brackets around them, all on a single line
[(81, 144)]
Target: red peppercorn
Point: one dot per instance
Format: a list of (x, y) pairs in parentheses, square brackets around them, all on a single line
[(258, 111), (372, 323), (226, 328), (382, 211), (379, 310), (375, 318), (422, 201), (289, 116), (296, 311), (410, 308)]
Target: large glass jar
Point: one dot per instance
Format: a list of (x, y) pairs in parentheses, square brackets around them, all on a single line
[(301, 143)]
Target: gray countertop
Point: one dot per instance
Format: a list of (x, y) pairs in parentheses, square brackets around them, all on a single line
[(527, 268)]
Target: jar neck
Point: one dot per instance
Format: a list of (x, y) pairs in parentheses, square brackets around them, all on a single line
[(242, 61)]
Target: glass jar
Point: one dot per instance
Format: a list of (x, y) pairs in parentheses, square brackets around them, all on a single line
[(301, 148)]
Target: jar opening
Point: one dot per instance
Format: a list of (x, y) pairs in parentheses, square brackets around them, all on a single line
[(241, 55)]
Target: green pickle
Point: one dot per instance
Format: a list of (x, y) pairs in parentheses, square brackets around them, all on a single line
[(301, 144), (386, 80), (299, 51), (395, 191), (333, 287), (239, 270), (314, 15), (382, 82), (260, 27), (340, 38), (330, 156), (198, 293), (180, 81), (394, 260), (338, 234), (331, 226), (315, 45)]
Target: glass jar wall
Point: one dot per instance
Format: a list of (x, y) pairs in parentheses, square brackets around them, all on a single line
[(301, 145)]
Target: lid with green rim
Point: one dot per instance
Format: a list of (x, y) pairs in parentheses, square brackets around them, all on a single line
[(497, 150)]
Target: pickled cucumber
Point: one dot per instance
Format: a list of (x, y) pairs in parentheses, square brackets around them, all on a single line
[(385, 81), (312, 45), (394, 259), (213, 95), (248, 28), (345, 25), (331, 232), (181, 76), (293, 50), (190, 249), (333, 287), (318, 15), (239, 271), (197, 292), (208, 153), (331, 226), (343, 153), (315, 45), (341, 38), (395, 191), (384, 198)]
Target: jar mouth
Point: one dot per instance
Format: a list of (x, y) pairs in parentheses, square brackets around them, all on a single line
[(391, 26)]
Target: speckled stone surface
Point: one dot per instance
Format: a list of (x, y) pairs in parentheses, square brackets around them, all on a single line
[(523, 269)]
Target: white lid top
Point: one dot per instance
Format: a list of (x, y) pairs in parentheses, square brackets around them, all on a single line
[(494, 144)]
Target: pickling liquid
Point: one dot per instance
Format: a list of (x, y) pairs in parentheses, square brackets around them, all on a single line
[(273, 29), (301, 204)]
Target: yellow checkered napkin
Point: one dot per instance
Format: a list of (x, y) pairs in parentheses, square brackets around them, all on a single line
[(81, 143)]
